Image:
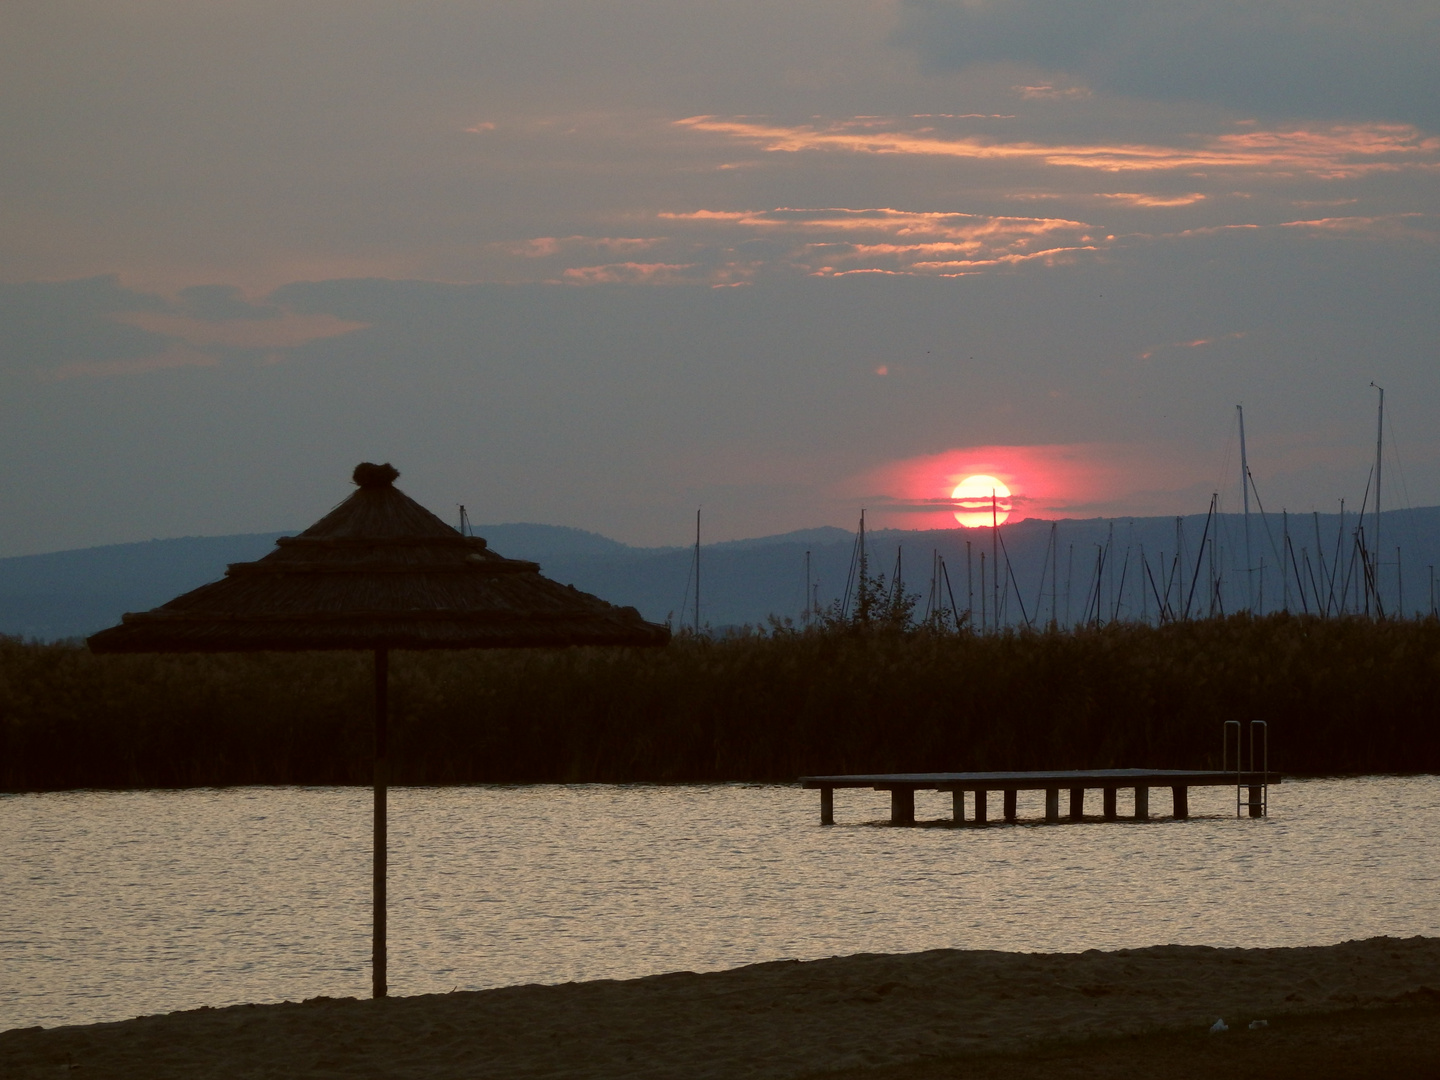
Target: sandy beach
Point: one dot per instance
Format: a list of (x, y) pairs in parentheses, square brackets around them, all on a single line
[(856, 1016)]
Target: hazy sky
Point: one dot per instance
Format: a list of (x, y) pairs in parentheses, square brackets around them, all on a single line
[(597, 262)]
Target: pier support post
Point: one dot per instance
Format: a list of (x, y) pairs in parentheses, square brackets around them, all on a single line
[(980, 807), (1181, 797), (1257, 803), (1011, 813), (1110, 812), (1077, 804), (1052, 804), (827, 806), (379, 986), (958, 795), (902, 806), (1142, 804)]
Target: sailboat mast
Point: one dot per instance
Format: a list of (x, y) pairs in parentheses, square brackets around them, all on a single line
[(969, 587), (983, 613), (805, 604), (995, 555), (1285, 518), (697, 571), (1245, 492), (1054, 573), (862, 596), (1379, 446), (1069, 582)]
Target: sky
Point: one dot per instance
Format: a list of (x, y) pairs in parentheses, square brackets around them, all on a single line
[(603, 263)]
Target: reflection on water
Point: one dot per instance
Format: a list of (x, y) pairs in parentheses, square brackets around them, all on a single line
[(123, 903)]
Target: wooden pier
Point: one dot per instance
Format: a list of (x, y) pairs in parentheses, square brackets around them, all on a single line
[(902, 788)]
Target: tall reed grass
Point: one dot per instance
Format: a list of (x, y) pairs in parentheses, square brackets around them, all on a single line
[(1340, 695)]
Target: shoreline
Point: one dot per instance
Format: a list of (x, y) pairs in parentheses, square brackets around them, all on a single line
[(366, 785), (846, 1016)]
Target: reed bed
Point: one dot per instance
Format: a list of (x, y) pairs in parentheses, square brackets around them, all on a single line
[(1340, 695)]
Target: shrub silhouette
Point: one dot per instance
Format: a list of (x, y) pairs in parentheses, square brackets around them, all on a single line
[(1340, 695)]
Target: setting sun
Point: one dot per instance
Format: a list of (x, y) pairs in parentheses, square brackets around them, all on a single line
[(981, 500)]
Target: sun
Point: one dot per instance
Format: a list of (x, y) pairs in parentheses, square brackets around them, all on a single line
[(981, 500)]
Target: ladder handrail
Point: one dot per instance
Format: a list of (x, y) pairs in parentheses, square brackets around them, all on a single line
[(1265, 749), (1264, 771)]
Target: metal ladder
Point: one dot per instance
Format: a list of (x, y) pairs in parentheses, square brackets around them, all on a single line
[(1259, 801)]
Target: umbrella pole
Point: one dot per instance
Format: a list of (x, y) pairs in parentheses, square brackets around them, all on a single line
[(382, 778)]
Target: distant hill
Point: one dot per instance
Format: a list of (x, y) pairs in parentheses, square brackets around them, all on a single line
[(71, 593), (540, 542), (1120, 567)]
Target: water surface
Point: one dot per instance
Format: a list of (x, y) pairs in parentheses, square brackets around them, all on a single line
[(118, 904)]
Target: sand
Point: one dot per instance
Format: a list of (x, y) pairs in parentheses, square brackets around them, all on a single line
[(882, 1015)]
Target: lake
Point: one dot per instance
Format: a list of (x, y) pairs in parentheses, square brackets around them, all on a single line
[(118, 904)]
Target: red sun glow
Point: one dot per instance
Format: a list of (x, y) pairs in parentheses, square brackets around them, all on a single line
[(981, 500)]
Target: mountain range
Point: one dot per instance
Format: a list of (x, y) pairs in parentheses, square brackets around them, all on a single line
[(1069, 570)]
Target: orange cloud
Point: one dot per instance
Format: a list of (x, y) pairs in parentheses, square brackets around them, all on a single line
[(1412, 226), (631, 273), (1386, 225), (712, 246), (1198, 343), (1339, 151), (1136, 198), (886, 240), (284, 332), (884, 219), (541, 247), (1047, 92)]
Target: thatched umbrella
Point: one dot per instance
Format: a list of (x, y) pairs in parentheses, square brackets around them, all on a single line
[(379, 572)]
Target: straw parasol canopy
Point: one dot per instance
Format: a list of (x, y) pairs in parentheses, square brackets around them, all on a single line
[(379, 572)]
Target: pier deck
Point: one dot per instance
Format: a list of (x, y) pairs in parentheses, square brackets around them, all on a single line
[(902, 788)]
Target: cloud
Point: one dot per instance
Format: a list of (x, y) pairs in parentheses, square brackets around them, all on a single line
[(1327, 152), (730, 246), (1140, 198), (632, 273), (220, 145), (1314, 58), (94, 328), (48, 325), (544, 247), (176, 356), (217, 303), (1054, 93), (1422, 227), (283, 330), (1197, 343), (1392, 228)]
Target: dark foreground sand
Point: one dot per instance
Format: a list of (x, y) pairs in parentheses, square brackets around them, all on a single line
[(1366, 1008)]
